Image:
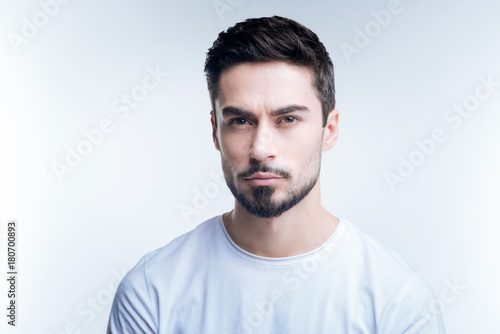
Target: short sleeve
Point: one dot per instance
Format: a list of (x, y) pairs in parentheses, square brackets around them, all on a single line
[(415, 309), (131, 311)]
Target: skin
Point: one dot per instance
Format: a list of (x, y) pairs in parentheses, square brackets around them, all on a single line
[(289, 144)]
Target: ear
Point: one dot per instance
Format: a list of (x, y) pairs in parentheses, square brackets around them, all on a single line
[(214, 131), (331, 130)]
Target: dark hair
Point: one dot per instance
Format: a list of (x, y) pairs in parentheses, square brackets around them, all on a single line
[(268, 39)]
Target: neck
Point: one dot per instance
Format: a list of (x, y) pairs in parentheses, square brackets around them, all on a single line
[(299, 230)]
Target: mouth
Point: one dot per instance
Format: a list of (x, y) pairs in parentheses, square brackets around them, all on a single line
[(263, 179)]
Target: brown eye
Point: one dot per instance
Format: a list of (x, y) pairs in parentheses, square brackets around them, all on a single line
[(238, 121), (289, 119)]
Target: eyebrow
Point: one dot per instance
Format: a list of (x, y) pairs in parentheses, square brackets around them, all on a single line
[(233, 111)]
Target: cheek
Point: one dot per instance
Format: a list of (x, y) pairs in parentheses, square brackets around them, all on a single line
[(301, 145), (233, 149)]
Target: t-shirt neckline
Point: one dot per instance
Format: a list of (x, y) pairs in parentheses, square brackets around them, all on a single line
[(278, 260)]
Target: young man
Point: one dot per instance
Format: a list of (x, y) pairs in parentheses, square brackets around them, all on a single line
[(278, 262)]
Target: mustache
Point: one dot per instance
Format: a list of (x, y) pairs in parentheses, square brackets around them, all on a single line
[(264, 169)]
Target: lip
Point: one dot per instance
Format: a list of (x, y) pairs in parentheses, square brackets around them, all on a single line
[(263, 179)]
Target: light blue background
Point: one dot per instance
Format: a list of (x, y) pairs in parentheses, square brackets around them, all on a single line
[(125, 198)]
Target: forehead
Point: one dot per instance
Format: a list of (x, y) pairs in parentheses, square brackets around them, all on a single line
[(267, 85)]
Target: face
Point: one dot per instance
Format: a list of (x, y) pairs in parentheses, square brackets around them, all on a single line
[(270, 135)]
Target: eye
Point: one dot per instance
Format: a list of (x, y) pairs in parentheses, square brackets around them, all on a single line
[(238, 121), (289, 119)]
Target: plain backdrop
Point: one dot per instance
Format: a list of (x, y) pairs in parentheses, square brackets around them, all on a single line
[(403, 71)]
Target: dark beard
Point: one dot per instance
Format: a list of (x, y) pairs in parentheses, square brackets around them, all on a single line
[(261, 205)]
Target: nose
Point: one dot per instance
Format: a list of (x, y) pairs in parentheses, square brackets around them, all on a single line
[(263, 146)]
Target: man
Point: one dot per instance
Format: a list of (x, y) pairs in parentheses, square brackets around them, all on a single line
[(278, 262)]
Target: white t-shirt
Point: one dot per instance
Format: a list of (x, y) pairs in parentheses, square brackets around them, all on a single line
[(202, 282)]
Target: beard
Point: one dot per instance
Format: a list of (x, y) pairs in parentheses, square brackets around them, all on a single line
[(259, 200)]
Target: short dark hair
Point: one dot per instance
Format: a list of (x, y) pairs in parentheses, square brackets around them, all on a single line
[(269, 39)]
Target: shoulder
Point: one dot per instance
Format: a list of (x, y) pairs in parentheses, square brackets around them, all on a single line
[(385, 267), (177, 249), (186, 245), (406, 296), (131, 311), (372, 253), (134, 304)]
